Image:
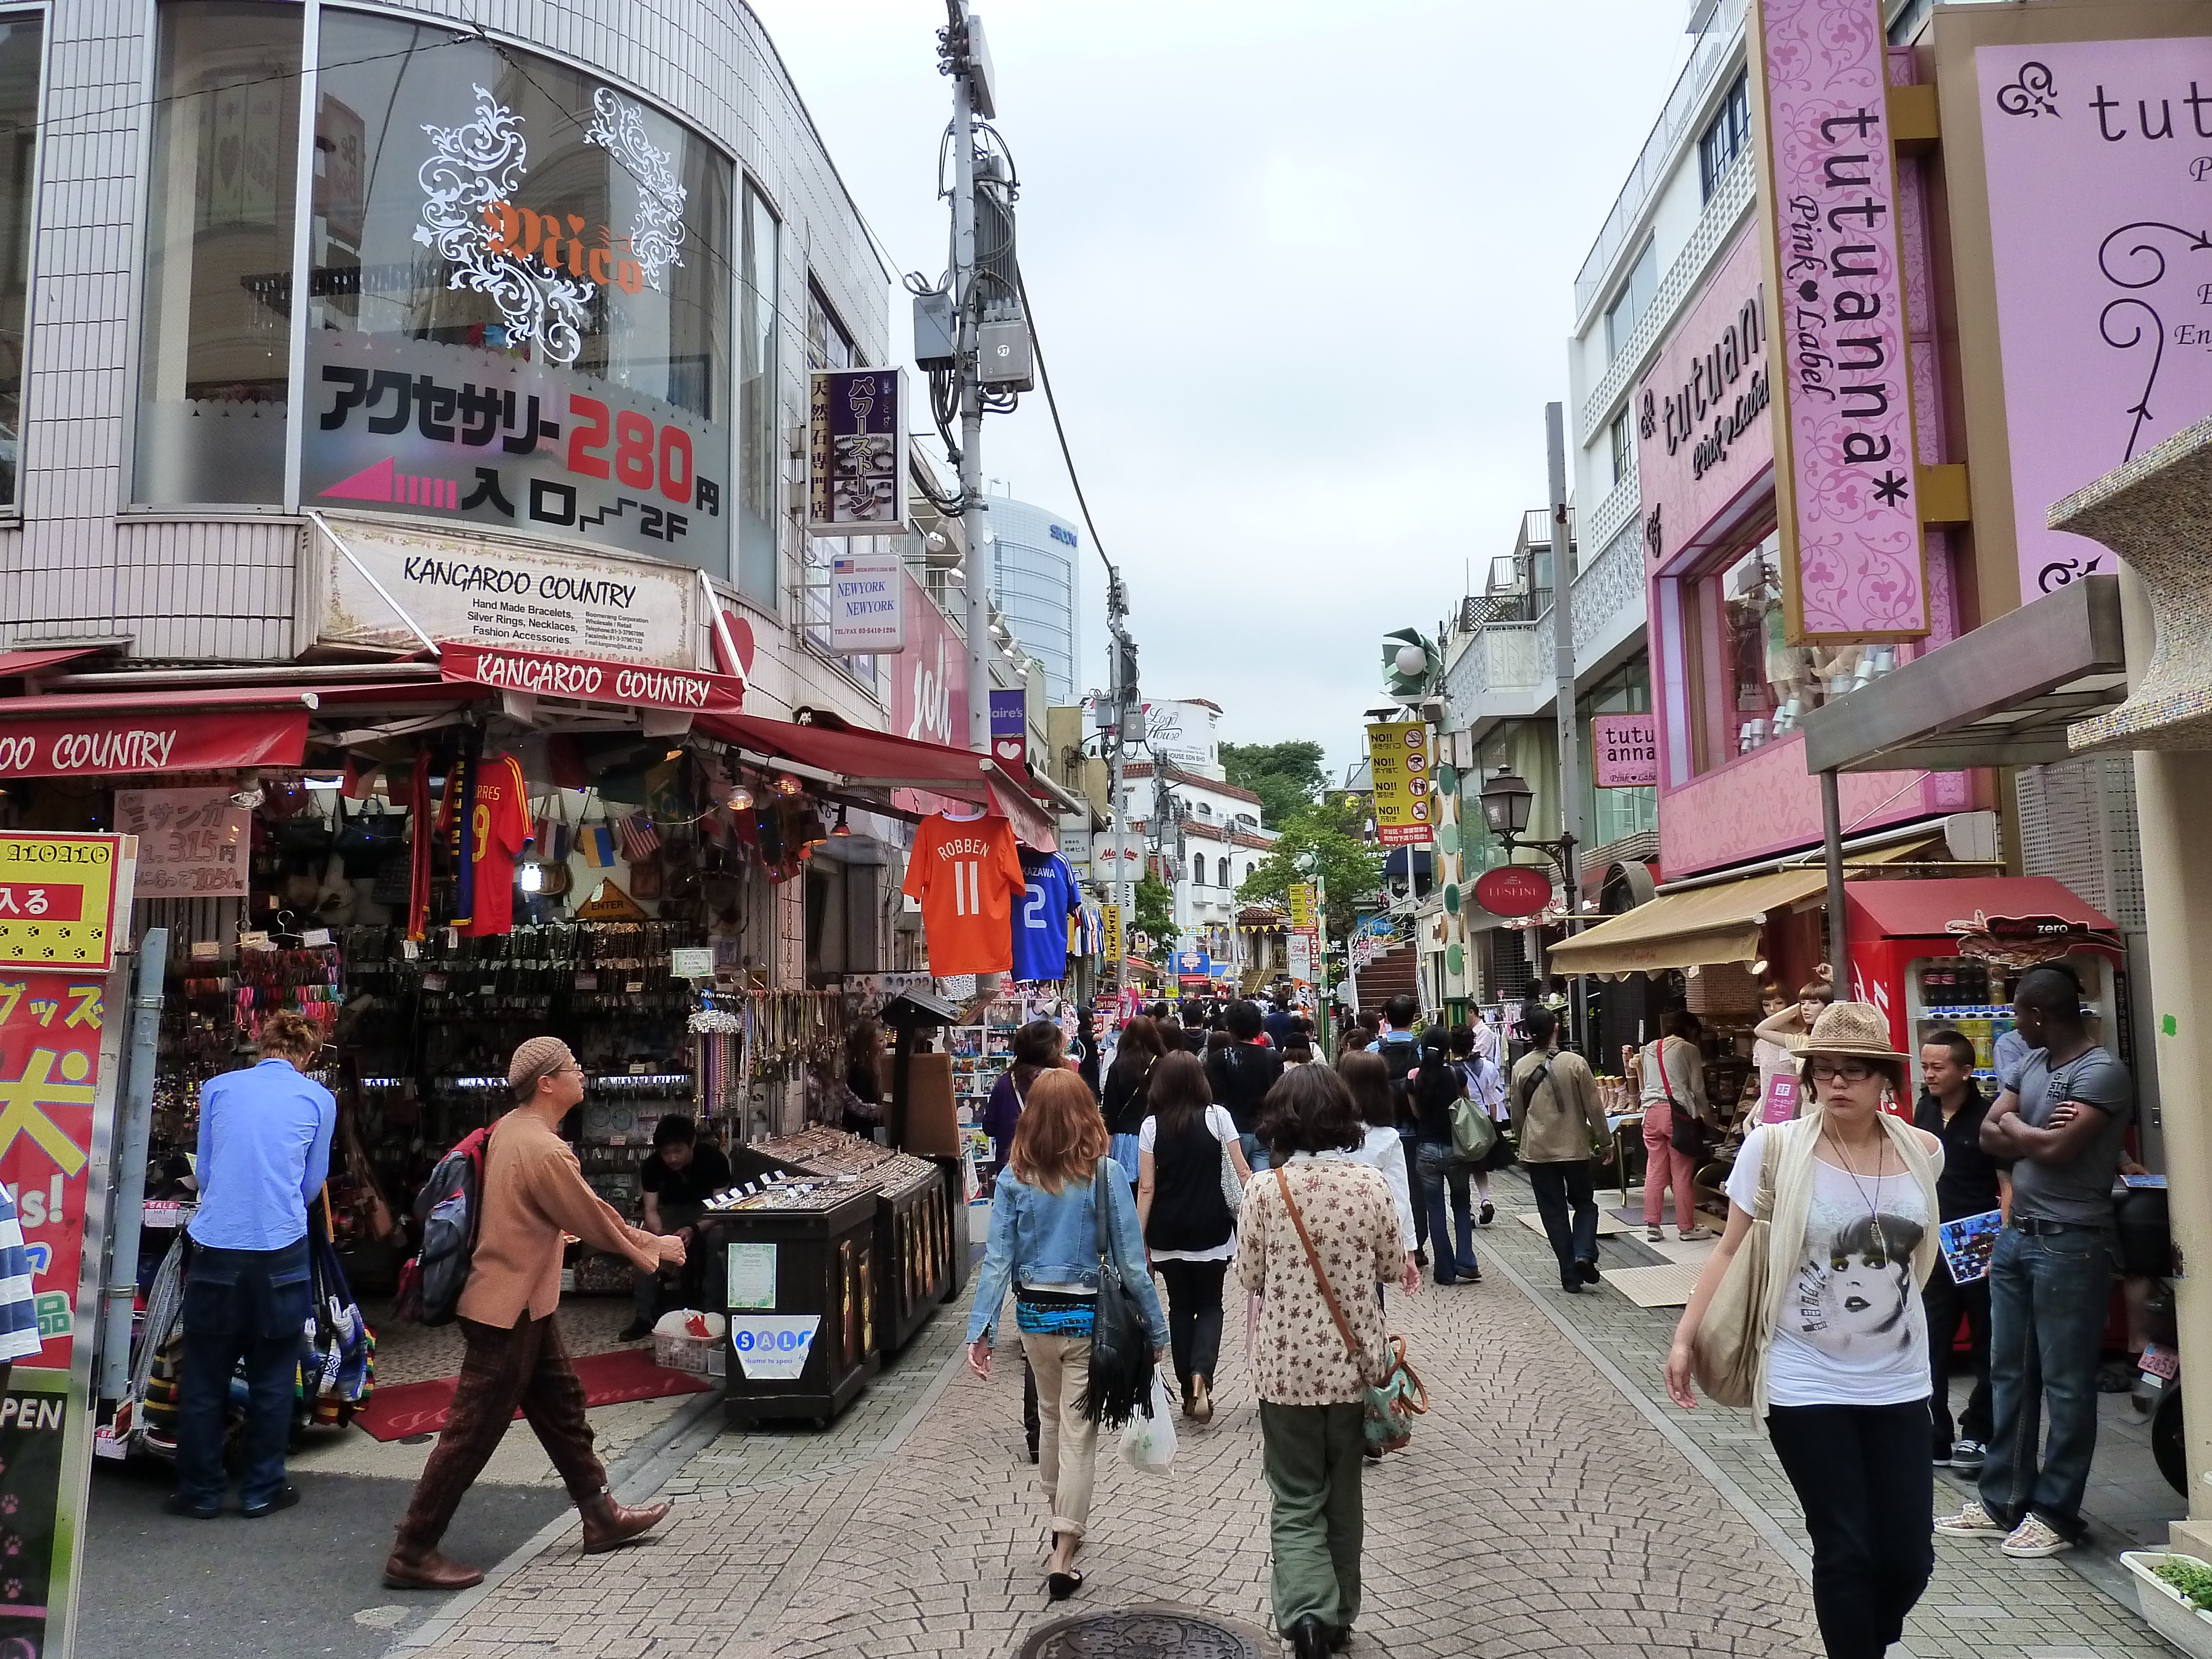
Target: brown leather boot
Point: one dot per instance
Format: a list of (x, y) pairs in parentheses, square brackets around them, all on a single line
[(428, 1570), (608, 1524)]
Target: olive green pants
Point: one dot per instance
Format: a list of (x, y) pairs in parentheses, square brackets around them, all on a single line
[(1313, 1457)]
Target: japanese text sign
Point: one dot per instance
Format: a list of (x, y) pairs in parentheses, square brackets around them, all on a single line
[(1110, 916), (856, 451), (50, 1027), (1625, 750), (1398, 755), (59, 897), (1853, 564), (193, 843), (1302, 907)]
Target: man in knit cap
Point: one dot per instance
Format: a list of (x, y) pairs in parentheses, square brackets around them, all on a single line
[(533, 1192)]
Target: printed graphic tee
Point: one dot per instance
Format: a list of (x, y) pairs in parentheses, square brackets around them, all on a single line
[(499, 829), (1852, 1331), (967, 877), (1049, 899)]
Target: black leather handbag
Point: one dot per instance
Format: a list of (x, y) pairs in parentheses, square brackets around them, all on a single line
[(1120, 1384)]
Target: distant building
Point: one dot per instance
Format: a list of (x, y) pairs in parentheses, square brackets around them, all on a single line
[(1036, 579)]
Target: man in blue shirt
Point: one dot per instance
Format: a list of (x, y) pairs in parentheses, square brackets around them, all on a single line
[(264, 1153)]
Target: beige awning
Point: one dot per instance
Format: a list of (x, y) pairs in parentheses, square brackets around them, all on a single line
[(1704, 927)]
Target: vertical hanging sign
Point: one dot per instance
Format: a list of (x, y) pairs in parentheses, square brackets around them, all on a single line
[(1398, 758), (1853, 562)]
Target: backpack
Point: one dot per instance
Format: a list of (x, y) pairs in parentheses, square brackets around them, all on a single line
[(450, 1211), (1399, 1059), (1473, 1132)]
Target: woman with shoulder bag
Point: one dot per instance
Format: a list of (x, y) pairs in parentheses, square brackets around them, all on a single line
[(1044, 1244), (1128, 1081), (1809, 1311), (1673, 1091), (1316, 1230), (1184, 1148)]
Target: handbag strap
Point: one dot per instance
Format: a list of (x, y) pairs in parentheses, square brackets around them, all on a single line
[(1321, 1276), (1098, 1214), (1666, 1083)]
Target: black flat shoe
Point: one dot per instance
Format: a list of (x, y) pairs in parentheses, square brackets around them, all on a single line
[(1489, 1215), (1339, 1638), (1061, 1585), (284, 1497), (1587, 1269), (177, 1504), (637, 1331), (1309, 1638), (1571, 1284)]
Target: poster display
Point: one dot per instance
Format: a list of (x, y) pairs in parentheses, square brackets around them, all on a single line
[(1398, 756), (856, 466), (1853, 563), (193, 843)]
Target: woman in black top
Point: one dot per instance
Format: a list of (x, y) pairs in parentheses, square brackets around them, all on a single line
[(1189, 1229), (1127, 1082), (1435, 1086)]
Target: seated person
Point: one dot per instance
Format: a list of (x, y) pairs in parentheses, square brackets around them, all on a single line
[(679, 1180)]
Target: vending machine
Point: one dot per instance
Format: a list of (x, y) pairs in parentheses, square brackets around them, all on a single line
[(1937, 955)]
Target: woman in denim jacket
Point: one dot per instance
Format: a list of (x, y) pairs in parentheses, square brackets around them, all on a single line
[(1044, 1244)]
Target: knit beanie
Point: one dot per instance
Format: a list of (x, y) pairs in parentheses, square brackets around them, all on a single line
[(539, 1056)]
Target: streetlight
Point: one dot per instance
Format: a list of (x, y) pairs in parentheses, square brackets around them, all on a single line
[(1505, 802)]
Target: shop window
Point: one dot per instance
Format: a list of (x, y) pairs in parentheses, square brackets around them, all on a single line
[(517, 298), (1617, 812), (1726, 137), (1621, 441), (1630, 304), (20, 41), (215, 367), (756, 402)]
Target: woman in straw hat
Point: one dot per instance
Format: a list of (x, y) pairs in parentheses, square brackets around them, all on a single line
[(1842, 1378)]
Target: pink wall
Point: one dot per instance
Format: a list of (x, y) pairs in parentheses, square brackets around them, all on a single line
[(1765, 803)]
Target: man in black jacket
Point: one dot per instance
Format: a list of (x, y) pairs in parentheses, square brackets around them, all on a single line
[(1972, 1183), (1241, 1074)]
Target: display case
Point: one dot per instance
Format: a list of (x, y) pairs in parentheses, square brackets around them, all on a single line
[(1946, 955), (795, 1263)]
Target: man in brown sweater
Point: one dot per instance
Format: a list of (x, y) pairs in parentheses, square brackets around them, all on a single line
[(533, 1193), (1558, 1116)]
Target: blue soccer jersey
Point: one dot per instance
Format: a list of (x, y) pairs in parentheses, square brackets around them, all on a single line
[(1041, 921)]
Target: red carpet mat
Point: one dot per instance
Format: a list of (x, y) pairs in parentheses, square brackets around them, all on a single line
[(608, 1379)]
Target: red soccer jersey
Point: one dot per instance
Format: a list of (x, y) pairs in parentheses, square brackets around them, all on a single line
[(967, 876), (500, 830)]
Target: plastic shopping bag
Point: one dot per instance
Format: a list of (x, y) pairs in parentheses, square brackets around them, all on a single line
[(1149, 1443)]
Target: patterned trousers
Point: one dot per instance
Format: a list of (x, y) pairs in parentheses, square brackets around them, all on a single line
[(526, 1367)]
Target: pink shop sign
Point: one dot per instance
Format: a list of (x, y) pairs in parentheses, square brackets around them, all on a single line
[(1625, 750), (2100, 231), (1853, 565)]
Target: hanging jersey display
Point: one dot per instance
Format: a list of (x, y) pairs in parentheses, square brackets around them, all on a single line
[(1049, 902), (498, 809), (967, 876)]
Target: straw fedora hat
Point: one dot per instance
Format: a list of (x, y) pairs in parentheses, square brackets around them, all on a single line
[(1854, 1031)]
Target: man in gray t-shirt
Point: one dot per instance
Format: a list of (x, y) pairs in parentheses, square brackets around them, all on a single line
[(2061, 1121)]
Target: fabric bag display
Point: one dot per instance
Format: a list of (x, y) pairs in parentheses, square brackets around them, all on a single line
[(368, 841), (1121, 1368), (1395, 1399), (550, 830), (1735, 1334)]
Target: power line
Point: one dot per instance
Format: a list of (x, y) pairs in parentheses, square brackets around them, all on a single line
[(1067, 456)]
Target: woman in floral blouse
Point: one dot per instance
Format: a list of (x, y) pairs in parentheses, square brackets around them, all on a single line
[(1312, 1390)]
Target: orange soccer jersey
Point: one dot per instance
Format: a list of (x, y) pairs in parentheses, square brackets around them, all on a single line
[(967, 876)]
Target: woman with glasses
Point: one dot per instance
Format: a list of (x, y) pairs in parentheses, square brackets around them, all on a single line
[(1848, 1193)]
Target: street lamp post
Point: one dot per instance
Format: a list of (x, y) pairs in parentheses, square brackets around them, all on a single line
[(1506, 799)]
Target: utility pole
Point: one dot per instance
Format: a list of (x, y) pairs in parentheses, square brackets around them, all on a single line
[(968, 309), (1563, 667), (1127, 706)]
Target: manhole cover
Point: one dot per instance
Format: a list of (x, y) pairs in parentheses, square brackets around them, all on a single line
[(1155, 1632)]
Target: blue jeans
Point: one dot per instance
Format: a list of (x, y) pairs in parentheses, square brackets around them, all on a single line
[(1439, 1169), (2047, 1308), (1256, 1155), (252, 1305)]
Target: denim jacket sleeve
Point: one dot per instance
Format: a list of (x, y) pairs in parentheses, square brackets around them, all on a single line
[(997, 1275), (1129, 1254)]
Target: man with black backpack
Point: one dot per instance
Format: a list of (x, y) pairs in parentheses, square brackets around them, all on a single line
[(1241, 1074), (533, 1192), (1557, 1114)]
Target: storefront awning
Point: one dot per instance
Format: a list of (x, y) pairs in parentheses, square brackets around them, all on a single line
[(1940, 910), (2002, 694), (103, 743), (15, 663), (1701, 927), (876, 760)]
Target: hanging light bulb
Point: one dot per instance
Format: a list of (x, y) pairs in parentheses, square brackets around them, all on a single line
[(843, 828), (739, 800), (788, 785), (533, 877)]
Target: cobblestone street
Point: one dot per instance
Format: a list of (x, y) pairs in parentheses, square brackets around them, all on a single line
[(1549, 1504)]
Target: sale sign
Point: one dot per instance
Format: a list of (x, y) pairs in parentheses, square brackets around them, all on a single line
[(57, 893), (1398, 758), (49, 1030), (1853, 564), (193, 843)]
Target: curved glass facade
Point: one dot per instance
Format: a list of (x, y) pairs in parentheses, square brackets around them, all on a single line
[(1036, 580)]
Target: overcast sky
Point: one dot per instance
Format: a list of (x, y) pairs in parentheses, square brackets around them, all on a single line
[(1302, 274)]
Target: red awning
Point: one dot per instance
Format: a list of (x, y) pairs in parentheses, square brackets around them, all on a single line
[(1927, 910), (93, 744), (878, 760), (13, 663)]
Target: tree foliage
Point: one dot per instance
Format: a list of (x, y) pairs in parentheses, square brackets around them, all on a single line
[(1155, 912), (1286, 776), (1351, 869)]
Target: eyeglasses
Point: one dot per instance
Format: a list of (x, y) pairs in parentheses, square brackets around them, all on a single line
[(1841, 1070)]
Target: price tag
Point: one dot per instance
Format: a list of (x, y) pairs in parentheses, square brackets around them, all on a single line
[(692, 962), (410, 949), (314, 937), (587, 981), (434, 982), (207, 950), (255, 940), (634, 986)]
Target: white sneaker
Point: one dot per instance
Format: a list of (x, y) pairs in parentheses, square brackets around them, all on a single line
[(2031, 1541), (1971, 1519)]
